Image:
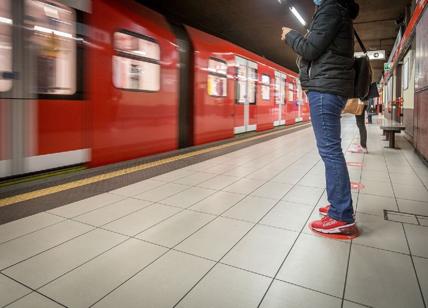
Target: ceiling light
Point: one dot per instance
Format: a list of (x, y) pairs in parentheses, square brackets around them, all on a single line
[(298, 16), (6, 20)]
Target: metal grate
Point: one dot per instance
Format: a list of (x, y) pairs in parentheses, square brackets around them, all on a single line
[(407, 218)]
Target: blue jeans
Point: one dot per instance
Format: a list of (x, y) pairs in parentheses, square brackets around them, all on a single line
[(326, 112)]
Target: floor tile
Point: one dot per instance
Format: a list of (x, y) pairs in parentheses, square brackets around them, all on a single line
[(317, 263), (377, 188), (137, 188), (354, 174), (411, 192), (374, 175), (303, 194), (102, 275), (112, 212), (382, 279), (11, 290), (219, 168), (240, 172), (379, 233), (219, 182), (421, 266), (264, 174), (35, 300), (188, 197), (347, 304), (162, 284), (227, 287), (161, 192), (413, 207), (26, 225), (251, 209), (401, 217), (262, 250), (282, 294), (418, 240), (194, 179), (57, 261), (291, 216), (272, 190), (218, 203), (375, 166), (400, 167), (244, 186), (141, 220), (371, 204), (289, 177), (215, 239), (423, 220), (313, 180), (175, 229), (86, 205), (405, 179), (174, 175), (31, 244)]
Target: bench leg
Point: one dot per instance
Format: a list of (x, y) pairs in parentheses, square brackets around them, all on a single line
[(392, 139)]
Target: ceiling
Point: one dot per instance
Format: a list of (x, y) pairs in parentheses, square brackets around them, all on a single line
[(256, 24)]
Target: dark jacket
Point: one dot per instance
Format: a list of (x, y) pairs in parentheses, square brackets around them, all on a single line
[(326, 52)]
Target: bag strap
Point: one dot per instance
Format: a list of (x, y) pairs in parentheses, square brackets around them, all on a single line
[(363, 48)]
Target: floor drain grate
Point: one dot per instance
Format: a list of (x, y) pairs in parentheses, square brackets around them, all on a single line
[(407, 218)]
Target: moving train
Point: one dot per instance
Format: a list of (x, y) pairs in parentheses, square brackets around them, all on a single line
[(98, 82)]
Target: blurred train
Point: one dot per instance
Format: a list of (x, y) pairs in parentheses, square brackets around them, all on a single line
[(97, 82)]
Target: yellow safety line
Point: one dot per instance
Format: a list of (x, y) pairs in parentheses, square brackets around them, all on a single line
[(113, 174)]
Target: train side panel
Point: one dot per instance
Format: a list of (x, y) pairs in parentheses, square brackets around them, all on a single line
[(133, 82), (213, 109)]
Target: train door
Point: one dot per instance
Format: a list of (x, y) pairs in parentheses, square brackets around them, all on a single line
[(279, 99), (290, 97), (43, 108), (6, 82), (245, 119)]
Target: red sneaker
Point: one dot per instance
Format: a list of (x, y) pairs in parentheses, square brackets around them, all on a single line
[(331, 226), (324, 210)]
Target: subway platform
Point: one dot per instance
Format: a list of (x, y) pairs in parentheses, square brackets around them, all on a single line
[(229, 231)]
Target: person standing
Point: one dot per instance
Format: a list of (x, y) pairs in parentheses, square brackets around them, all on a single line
[(361, 124), (325, 61)]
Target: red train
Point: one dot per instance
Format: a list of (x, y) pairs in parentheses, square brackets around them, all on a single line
[(106, 81)]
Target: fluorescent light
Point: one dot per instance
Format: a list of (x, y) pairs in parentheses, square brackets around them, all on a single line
[(47, 30), (6, 20), (298, 16)]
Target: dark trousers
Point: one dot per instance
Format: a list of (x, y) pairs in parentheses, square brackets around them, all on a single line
[(361, 123)]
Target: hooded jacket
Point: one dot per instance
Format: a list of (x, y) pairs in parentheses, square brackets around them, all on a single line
[(326, 52)]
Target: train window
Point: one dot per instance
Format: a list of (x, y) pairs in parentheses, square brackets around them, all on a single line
[(136, 65), (291, 92), (217, 78), (241, 85), (252, 83), (279, 88), (5, 45), (265, 87), (54, 38)]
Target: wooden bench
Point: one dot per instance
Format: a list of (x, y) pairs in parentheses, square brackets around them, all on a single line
[(389, 128)]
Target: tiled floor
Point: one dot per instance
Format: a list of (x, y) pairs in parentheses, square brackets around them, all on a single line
[(231, 232)]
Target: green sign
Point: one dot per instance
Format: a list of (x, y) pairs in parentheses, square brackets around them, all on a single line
[(387, 66)]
